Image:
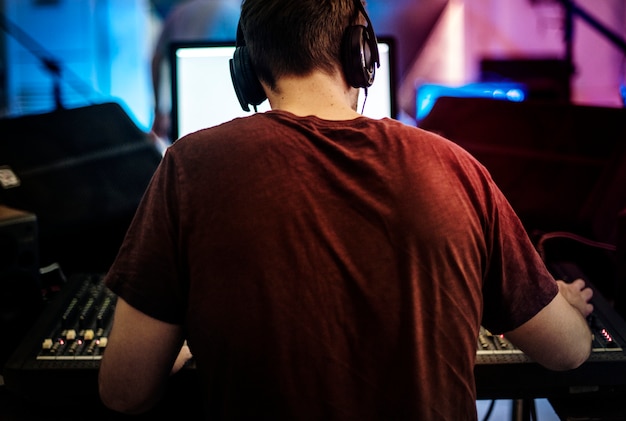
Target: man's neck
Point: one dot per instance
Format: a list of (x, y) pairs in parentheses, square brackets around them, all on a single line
[(319, 94)]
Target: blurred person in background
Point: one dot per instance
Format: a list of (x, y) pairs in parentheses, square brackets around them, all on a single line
[(190, 20)]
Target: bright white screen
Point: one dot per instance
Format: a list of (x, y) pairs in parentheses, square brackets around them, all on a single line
[(204, 95)]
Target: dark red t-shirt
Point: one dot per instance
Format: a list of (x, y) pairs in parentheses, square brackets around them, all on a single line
[(330, 269)]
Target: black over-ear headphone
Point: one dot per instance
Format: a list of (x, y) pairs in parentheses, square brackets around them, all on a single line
[(359, 52), (246, 83), (359, 59)]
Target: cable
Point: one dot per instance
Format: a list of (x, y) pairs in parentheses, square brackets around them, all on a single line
[(364, 101), (489, 410), (564, 234)]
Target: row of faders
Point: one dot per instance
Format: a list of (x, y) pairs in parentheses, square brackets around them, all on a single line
[(82, 330)]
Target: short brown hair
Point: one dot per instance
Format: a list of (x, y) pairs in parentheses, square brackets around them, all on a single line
[(294, 37)]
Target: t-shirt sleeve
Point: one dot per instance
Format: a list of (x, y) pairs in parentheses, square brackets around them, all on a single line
[(517, 284), (147, 270)]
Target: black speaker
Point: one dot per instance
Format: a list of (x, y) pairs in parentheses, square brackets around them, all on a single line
[(21, 298), (82, 171), (359, 59)]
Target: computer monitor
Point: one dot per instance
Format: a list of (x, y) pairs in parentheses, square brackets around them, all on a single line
[(203, 93)]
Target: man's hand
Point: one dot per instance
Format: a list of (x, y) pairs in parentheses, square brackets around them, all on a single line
[(578, 295), (183, 356)]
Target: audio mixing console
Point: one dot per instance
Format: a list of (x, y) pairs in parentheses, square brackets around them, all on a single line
[(503, 371), (65, 346)]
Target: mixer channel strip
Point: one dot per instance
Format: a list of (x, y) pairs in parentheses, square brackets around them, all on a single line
[(60, 355), (82, 330)]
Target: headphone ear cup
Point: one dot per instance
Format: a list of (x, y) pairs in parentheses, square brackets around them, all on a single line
[(245, 81), (356, 57)]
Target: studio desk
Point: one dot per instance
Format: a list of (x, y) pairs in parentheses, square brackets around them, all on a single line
[(57, 361)]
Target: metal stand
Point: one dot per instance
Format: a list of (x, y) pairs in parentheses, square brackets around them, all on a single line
[(523, 410)]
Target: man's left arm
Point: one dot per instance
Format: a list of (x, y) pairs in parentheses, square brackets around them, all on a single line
[(138, 361)]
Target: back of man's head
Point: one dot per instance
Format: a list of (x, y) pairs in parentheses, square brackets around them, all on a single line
[(294, 37)]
